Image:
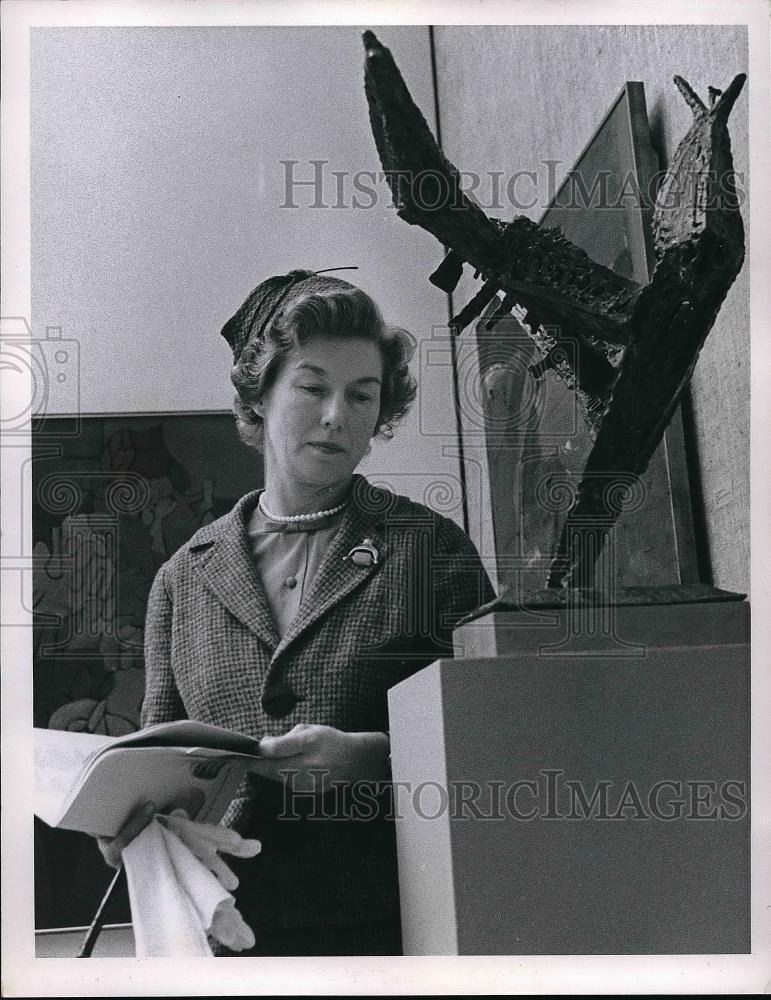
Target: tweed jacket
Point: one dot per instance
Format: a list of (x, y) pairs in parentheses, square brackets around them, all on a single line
[(212, 653)]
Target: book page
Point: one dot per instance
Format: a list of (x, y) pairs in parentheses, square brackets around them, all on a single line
[(188, 732), (124, 778), (60, 759)]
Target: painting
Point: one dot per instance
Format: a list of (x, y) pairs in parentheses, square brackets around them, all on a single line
[(536, 438), (110, 505)]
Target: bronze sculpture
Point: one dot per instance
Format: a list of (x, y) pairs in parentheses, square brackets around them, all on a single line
[(633, 347)]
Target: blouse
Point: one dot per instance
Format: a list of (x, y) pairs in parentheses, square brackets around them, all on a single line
[(288, 556)]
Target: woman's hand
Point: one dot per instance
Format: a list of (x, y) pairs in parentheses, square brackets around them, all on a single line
[(112, 847), (339, 756)]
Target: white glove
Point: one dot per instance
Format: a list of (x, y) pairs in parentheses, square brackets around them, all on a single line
[(205, 840), (229, 927)]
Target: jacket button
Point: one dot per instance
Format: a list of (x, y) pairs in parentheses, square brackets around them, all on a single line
[(279, 699), (291, 581)]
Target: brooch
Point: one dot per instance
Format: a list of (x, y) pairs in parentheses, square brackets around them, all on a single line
[(364, 555)]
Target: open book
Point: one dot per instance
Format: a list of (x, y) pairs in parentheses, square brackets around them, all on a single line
[(93, 783)]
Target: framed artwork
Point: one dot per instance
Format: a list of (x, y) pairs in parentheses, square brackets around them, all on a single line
[(535, 437), (113, 498)]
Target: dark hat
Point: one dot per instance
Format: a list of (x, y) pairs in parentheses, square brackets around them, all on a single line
[(274, 294)]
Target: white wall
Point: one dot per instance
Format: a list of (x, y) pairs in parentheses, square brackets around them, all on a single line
[(156, 207)]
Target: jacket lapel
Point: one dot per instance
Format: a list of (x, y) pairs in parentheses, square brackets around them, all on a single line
[(337, 576), (224, 558)]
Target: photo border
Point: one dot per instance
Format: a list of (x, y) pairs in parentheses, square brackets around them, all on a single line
[(23, 975)]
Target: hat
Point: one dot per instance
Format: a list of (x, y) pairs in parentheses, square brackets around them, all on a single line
[(274, 294)]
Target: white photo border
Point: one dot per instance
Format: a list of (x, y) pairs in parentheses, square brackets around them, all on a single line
[(23, 974)]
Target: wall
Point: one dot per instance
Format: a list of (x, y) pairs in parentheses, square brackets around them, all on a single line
[(157, 186), (513, 97), (157, 194)]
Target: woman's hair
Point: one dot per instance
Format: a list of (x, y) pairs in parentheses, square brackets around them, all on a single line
[(344, 312)]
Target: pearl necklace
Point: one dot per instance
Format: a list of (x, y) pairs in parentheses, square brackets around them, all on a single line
[(299, 518)]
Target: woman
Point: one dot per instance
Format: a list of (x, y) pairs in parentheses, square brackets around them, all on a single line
[(290, 617)]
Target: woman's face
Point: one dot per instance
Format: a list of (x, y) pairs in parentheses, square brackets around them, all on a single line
[(321, 411)]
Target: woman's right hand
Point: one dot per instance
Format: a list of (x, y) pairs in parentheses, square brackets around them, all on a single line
[(112, 847)]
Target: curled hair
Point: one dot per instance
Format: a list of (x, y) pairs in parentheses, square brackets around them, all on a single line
[(342, 313)]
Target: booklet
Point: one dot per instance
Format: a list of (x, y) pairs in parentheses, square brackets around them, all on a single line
[(93, 783)]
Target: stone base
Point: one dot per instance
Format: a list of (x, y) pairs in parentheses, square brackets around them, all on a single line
[(550, 621)]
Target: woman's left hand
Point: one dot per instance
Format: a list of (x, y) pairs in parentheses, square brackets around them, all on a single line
[(319, 755)]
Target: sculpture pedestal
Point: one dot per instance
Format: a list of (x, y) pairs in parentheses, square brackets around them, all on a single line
[(578, 794)]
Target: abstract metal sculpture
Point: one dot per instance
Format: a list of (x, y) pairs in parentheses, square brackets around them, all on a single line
[(632, 348)]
